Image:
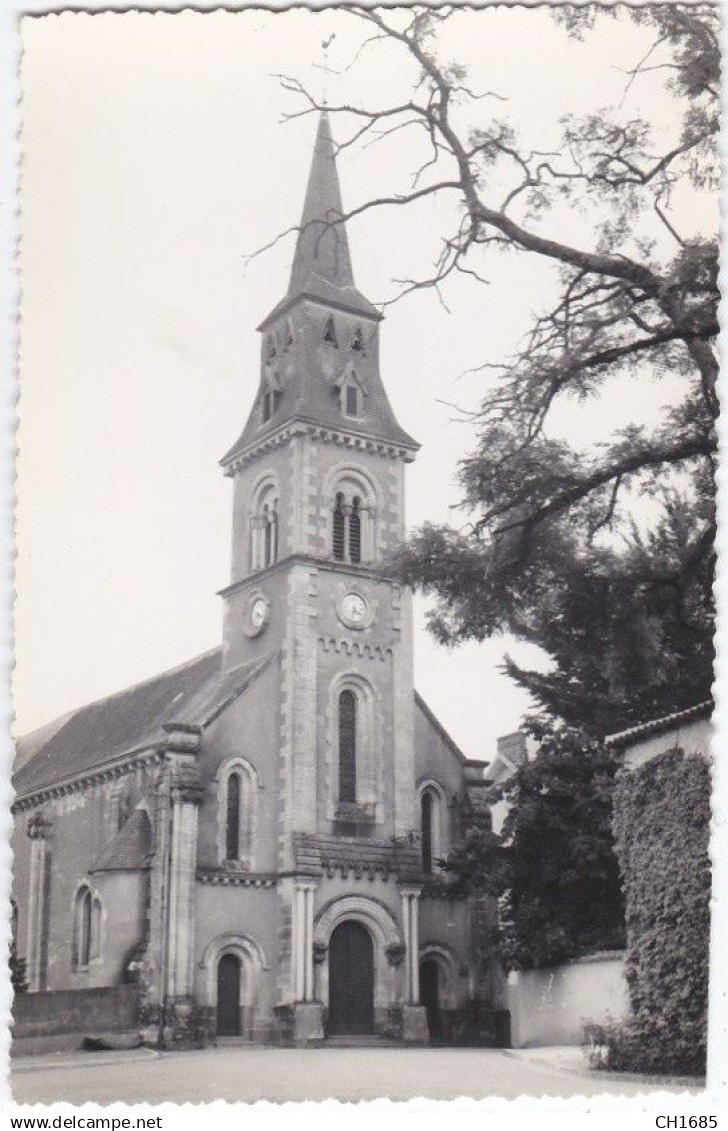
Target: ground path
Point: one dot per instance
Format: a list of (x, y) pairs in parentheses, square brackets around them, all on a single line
[(249, 1074)]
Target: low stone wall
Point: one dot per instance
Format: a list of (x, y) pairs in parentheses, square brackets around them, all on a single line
[(108, 1009), (552, 1006)]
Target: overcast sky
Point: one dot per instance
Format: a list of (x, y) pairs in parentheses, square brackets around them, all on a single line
[(154, 161)]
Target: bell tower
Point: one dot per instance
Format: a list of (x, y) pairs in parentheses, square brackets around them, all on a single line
[(318, 505)]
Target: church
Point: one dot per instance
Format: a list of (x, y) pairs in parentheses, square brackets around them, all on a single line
[(246, 847)]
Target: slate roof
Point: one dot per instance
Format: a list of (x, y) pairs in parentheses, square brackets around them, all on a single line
[(132, 720), (131, 848), (322, 260), (322, 271), (320, 853)]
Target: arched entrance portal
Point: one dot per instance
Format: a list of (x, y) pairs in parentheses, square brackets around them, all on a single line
[(228, 996), (430, 997), (351, 979)]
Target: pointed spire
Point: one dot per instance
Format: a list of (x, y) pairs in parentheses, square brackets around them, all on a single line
[(322, 250)]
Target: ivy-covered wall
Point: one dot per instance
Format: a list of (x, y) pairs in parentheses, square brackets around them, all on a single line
[(662, 828)]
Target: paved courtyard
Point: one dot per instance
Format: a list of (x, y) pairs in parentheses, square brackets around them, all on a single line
[(249, 1074)]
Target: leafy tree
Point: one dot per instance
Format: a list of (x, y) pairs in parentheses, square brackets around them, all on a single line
[(558, 548), (18, 975), (553, 865)]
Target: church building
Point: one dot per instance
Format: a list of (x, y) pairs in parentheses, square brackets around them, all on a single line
[(247, 846)]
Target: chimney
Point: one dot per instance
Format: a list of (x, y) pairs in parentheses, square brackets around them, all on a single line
[(513, 747)]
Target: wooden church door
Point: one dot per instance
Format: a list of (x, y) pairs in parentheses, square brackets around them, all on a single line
[(351, 980), (430, 998), (228, 996)]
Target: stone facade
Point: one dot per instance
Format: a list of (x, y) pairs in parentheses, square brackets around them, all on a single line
[(198, 835)]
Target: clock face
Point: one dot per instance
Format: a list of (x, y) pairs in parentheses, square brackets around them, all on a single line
[(258, 612), (354, 608)]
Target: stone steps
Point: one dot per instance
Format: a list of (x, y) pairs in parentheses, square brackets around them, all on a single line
[(360, 1041)]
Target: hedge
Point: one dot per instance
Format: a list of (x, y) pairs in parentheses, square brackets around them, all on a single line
[(662, 827)]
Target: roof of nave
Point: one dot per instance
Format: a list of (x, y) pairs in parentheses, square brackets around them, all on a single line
[(94, 735), (435, 722), (100, 733), (131, 848)]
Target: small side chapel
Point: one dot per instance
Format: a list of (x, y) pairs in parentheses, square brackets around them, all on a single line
[(247, 846)]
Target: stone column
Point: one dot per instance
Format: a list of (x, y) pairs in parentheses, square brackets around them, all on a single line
[(299, 943), (307, 1013), (38, 829), (186, 793), (308, 994), (414, 1018)]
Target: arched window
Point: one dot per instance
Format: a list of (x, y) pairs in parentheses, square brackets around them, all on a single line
[(426, 805), (347, 745), (238, 787), (357, 341), (352, 531), (264, 528), (95, 941), (330, 332), (86, 927), (433, 803), (232, 829)]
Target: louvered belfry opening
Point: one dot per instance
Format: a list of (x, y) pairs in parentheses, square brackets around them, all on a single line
[(347, 746), (355, 531), (347, 529), (339, 540)]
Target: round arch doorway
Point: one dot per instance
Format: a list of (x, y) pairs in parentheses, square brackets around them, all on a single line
[(430, 998), (351, 980), (228, 996)]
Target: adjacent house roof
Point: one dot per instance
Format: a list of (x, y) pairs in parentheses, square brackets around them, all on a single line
[(131, 720), (659, 726)]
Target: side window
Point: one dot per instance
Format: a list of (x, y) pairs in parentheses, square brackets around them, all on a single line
[(347, 745), (232, 829), (238, 789), (433, 832), (86, 927), (329, 335), (426, 804)]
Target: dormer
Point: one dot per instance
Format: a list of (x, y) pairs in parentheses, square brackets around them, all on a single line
[(352, 392)]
